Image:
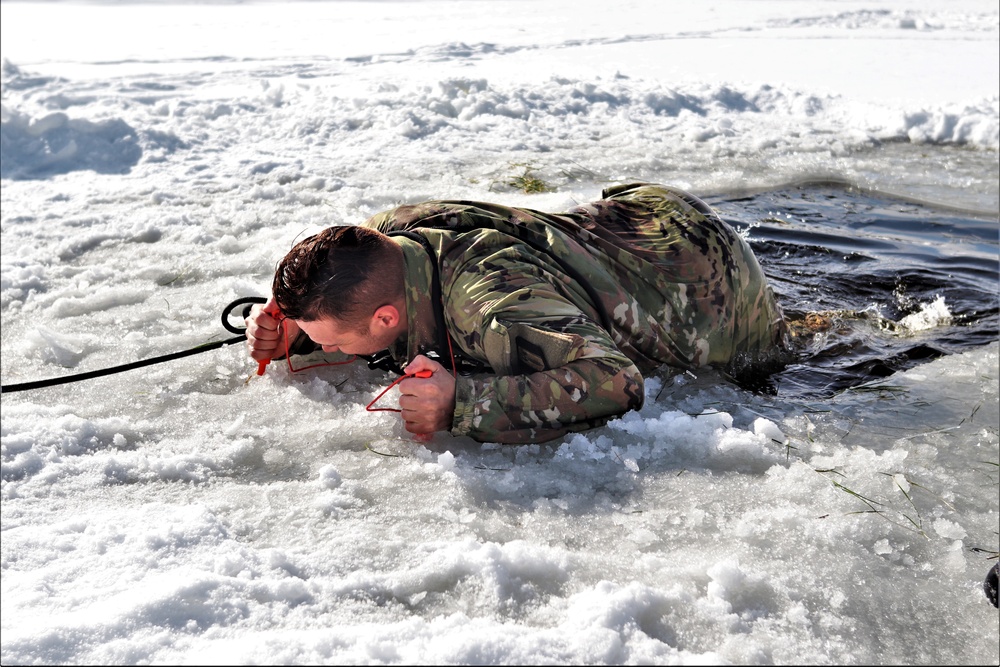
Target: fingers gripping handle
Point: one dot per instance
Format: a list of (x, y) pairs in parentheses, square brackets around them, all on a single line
[(273, 311), (423, 374)]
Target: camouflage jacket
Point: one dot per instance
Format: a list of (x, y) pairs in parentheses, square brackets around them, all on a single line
[(569, 310)]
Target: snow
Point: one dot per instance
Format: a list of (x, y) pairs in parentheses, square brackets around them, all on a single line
[(158, 159)]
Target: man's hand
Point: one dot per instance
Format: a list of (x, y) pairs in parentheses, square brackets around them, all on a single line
[(265, 339), (427, 405)]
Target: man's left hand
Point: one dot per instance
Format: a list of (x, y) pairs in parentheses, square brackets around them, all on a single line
[(427, 404)]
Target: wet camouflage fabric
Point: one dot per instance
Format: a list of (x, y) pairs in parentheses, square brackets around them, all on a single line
[(569, 310)]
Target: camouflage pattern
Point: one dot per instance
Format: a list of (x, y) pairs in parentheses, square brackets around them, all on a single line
[(569, 310)]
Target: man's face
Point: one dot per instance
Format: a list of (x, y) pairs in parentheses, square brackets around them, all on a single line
[(334, 336)]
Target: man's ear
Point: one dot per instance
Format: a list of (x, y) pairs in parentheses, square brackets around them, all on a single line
[(386, 317)]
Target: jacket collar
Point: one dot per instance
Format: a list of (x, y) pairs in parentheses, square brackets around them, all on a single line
[(422, 335)]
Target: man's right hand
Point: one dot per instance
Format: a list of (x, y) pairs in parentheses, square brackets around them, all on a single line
[(266, 331)]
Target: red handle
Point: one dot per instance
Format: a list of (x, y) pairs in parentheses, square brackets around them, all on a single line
[(426, 373), (273, 312)]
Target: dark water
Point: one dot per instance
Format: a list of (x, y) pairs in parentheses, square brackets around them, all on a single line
[(869, 260)]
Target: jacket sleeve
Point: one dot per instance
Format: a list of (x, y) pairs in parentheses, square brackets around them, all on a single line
[(556, 370)]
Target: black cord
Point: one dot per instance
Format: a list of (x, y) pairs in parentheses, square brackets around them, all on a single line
[(76, 377), (228, 310)]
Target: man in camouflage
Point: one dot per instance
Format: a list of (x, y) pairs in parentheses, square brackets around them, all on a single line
[(563, 313)]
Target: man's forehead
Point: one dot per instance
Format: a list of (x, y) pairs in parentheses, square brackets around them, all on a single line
[(320, 324)]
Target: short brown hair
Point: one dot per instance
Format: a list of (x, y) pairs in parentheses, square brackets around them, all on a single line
[(343, 272)]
